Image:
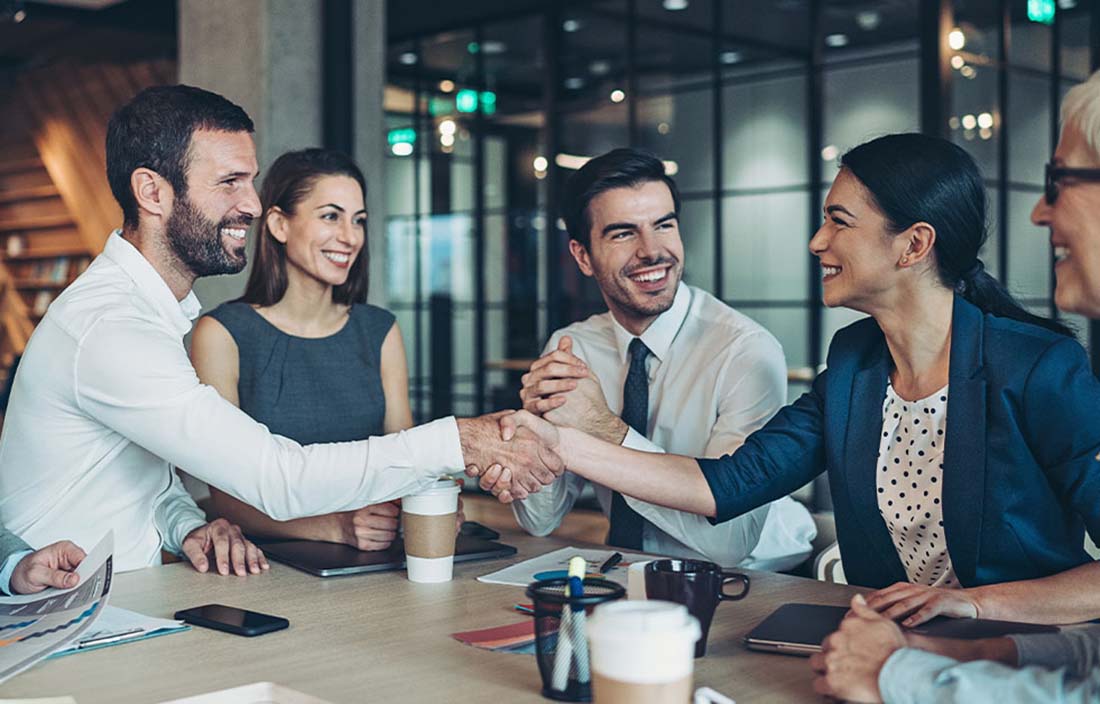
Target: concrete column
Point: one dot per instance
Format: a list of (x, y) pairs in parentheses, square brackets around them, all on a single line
[(264, 55), (369, 78)]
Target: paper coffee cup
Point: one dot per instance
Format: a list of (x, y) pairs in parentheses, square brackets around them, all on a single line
[(642, 652), (429, 532)]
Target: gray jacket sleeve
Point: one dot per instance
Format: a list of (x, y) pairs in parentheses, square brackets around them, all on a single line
[(1078, 650), (10, 543)]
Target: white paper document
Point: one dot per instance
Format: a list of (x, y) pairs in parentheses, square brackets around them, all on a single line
[(117, 625), (545, 566), (33, 626)]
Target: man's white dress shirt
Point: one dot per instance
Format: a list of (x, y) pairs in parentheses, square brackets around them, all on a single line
[(715, 376), (106, 401)]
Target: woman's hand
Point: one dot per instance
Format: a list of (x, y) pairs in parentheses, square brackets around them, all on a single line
[(916, 603), (371, 527)]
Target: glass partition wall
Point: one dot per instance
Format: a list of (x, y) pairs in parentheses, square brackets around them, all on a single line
[(750, 102)]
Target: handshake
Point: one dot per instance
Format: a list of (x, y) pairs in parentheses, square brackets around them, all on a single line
[(516, 453)]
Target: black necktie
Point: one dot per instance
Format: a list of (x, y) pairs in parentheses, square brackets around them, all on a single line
[(626, 524)]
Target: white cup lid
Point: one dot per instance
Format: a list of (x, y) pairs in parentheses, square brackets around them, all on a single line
[(630, 619), (444, 485)]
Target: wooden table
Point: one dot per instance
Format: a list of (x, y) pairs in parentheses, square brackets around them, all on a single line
[(382, 638)]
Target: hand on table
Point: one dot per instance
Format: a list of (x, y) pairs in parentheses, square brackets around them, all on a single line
[(229, 547), (564, 391), (848, 665), (529, 463), (916, 603), (371, 527), (52, 566)]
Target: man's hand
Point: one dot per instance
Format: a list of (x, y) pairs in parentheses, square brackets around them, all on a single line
[(228, 545), (550, 376), (530, 464), (848, 665), (371, 527), (564, 391), (917, 603), (52, 566)]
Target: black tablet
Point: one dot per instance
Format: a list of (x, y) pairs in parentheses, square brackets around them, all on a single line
[(798, 629), (336, 559)]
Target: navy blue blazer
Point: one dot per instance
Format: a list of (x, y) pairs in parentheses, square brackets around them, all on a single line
[(1021, 476)]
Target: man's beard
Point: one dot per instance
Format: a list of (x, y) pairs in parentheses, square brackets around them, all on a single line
[(613, 287), (197, 241)]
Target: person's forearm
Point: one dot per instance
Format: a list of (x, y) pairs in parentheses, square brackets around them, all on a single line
[(1068, 597), (256, 523), (1001, 650), (666, 480)]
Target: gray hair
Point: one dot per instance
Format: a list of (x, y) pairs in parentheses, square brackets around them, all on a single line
[(1081, 108)]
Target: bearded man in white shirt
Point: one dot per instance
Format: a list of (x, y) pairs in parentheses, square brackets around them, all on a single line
[(106, 401), (669, 368)]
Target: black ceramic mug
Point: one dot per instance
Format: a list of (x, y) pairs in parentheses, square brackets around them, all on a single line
[(696, 584)]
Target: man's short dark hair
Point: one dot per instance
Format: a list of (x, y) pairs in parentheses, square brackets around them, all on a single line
[(619, 168), (153, 131)]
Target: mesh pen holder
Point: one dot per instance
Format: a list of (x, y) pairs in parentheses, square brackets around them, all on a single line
[(561, 644)]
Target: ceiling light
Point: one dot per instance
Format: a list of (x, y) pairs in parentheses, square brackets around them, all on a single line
[(600, 67), (957, 62), (447, 140), (730, 57), (408, 58), (402, 149), (19, 16), (868, 20), (494, 47), (446, 85), (829, 153), (1067, 4), (447, 127), (985, 133), (574, 83), (571, 25), (617, 96), (675, 5), (953, 123), (540, 163), (968, 72), (969, 122), (663, 128), (985, 120), (836, 40), (956, 39)]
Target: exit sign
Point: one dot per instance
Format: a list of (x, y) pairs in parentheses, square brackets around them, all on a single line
[(1041, 11)]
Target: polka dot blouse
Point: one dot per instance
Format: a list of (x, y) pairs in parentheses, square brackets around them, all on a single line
[(910, 485)]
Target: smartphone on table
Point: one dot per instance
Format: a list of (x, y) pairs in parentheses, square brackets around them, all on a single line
[(232, 620)]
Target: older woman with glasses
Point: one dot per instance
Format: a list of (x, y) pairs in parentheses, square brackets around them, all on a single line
[(953, 424)]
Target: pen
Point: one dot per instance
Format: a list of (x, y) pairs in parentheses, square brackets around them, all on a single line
[(611, 562), (108, 638)]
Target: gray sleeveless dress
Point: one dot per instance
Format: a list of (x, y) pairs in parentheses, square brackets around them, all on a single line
[(311, 390)]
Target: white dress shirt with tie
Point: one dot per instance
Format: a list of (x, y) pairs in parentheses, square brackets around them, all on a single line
[(106, 401), (715, 376)]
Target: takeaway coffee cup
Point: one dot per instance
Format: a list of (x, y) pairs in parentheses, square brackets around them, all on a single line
[(429, 532), (642, 652), (696, 584)]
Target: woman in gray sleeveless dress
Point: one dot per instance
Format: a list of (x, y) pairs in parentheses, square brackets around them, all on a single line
[(302, 351)]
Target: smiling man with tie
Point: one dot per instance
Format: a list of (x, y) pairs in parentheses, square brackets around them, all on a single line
[(667, 368)]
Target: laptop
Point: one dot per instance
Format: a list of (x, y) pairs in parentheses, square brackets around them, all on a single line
[(336, 560), (798, 629)]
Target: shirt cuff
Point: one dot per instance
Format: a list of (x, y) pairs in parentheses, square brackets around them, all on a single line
[(636, 441), (909, 676), (1049, 650), (434, 449), (8, 567)]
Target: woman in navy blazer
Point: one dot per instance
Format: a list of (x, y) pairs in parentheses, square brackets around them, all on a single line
[(904, 222)]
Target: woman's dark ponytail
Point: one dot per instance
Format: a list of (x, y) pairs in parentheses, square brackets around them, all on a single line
[(918, 178)]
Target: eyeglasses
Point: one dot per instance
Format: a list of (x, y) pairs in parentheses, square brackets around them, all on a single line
[(1054, 174)]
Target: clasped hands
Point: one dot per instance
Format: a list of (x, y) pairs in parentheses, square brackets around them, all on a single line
[(521, 451)]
